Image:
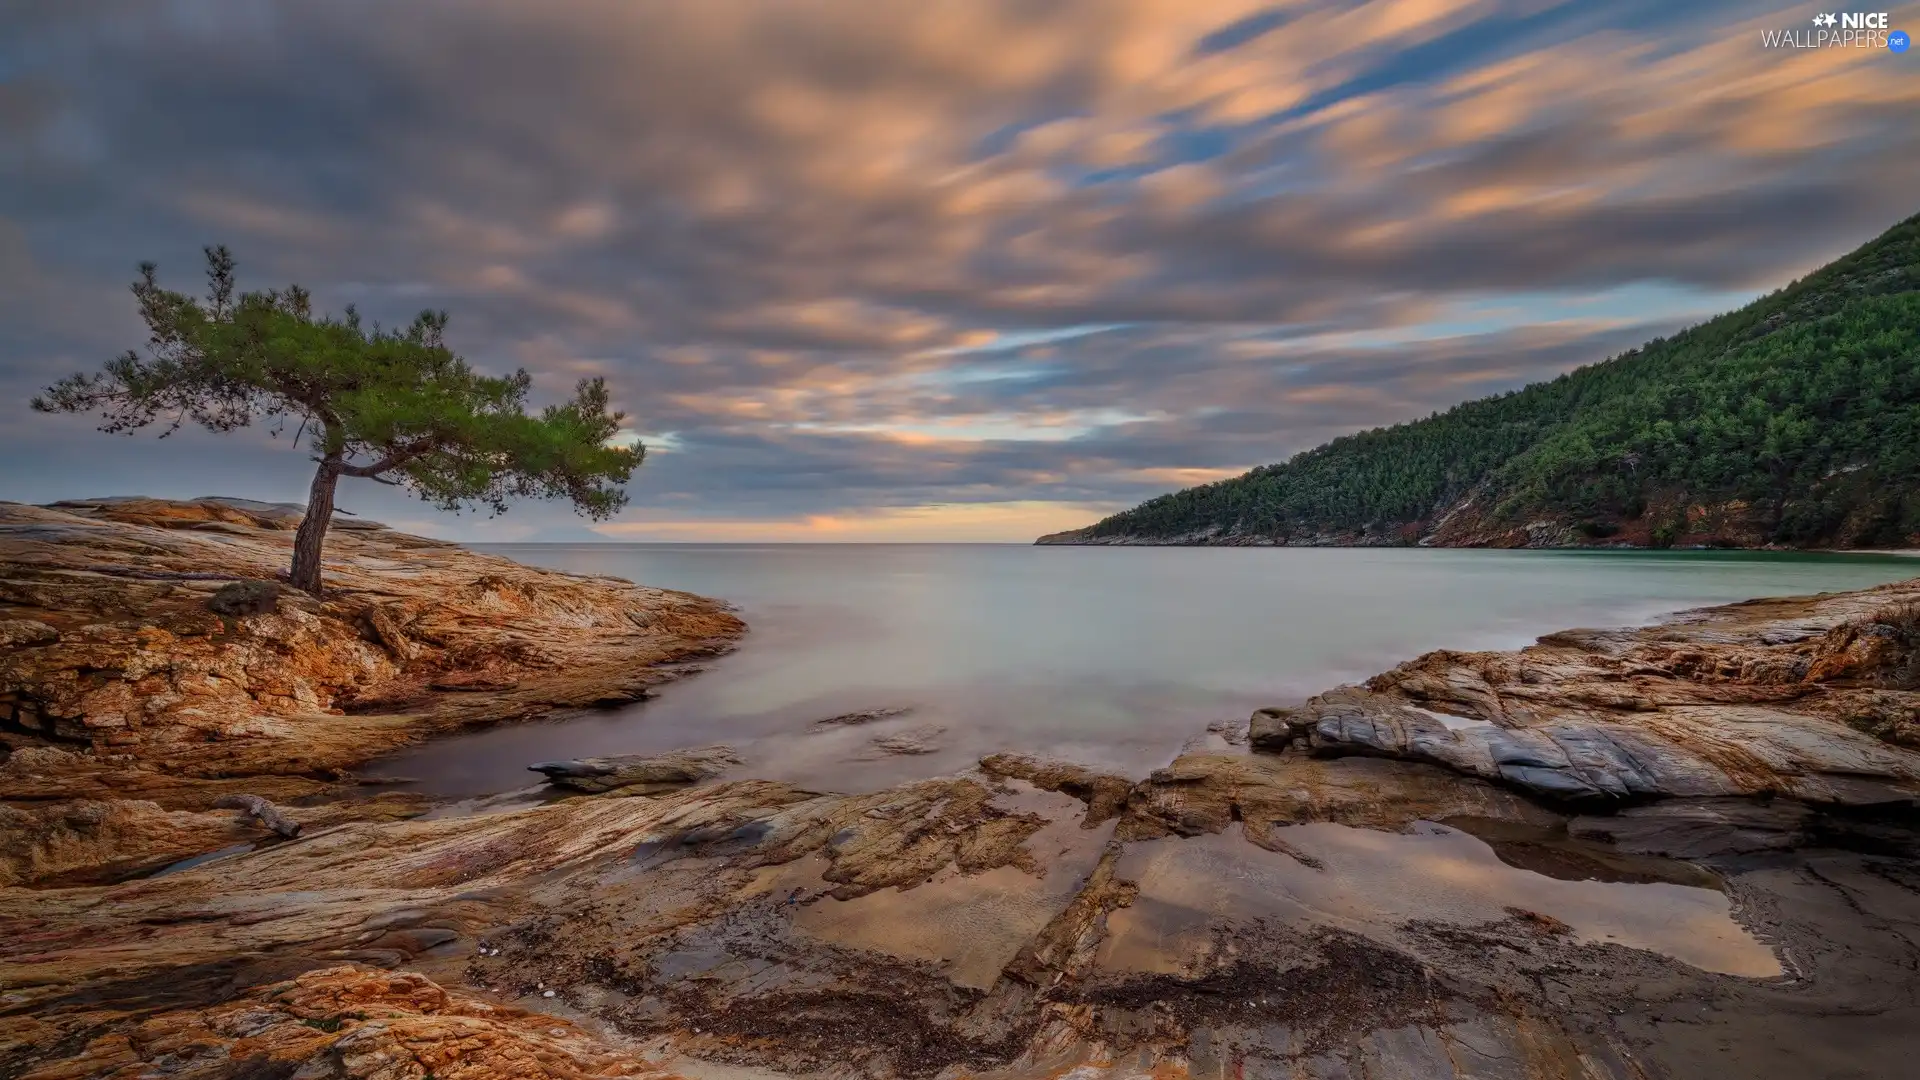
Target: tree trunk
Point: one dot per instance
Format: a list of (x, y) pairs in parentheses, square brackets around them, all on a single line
[(313, 527)]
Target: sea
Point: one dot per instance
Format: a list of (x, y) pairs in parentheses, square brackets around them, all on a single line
[(1113, 657)]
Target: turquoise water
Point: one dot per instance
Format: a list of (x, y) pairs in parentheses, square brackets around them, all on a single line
[(1114, 656)]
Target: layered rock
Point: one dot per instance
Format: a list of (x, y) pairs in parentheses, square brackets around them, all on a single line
[(639, 774), (131, 647), (1815, 699), (749, 923), (350, 1023)]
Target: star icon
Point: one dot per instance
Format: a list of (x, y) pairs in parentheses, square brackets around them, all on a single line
[(1824, 20)]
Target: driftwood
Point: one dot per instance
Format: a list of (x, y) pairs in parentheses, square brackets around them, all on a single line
[(267, 813)]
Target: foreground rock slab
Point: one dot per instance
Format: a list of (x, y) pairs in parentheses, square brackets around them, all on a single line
[(964, 925)]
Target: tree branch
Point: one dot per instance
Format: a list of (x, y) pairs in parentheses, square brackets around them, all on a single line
[(391, 462)]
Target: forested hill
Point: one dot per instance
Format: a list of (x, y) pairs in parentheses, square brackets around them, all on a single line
[(1793, 421)]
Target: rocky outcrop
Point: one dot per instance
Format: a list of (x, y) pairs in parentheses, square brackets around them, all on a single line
[(149, 639), (1105, 794), (1207, 793), (864, 716), (93, 841), (154, 672), (350, 1022), (639, 774), (1814, 699)]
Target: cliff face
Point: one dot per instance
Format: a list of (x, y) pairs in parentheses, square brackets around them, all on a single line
[(1794, 421), (149, 653)]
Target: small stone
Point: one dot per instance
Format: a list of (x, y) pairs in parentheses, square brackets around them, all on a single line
[(16, 633), (639, 774), (244, 598)]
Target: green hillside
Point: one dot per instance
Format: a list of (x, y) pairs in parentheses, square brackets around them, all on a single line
[(1795, 420)]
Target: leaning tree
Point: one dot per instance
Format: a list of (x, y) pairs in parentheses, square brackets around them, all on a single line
[(396, 406)]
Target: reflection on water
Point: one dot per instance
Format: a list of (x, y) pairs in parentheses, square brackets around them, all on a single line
[(971, 924), (1110, 656), (1372, 882)]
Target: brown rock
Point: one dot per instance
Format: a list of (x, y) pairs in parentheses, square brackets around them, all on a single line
[(1808, 697), (865, 716), (351, 1023), (158, 696), (1206, 792), (639, 774), (20, 633), (1104, 793), (244, 598)]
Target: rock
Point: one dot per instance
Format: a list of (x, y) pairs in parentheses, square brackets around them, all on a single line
[(1804, 698), (388, 623), (1204, 793), (245, 598), (36, 761), (639, 774), (350, 1022), (21, 633), (86, 841), (854, 719), (910, 743), (1701, 828), (1881, 648), (1104, 793), (262, 811), (90, 842), (1068, 944), (1276, 729), (171, 705), (473, 682), (758, 925)]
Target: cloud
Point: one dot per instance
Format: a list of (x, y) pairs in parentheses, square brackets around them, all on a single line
[(863, 260)]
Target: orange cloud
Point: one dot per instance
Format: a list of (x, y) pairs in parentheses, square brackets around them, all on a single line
[(981, 523)]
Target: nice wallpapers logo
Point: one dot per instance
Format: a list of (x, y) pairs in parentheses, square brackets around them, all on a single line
[(1847, 30)]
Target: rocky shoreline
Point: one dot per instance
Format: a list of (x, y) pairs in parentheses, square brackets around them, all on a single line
[(152, 665), (1677, 851), (1543, 535)]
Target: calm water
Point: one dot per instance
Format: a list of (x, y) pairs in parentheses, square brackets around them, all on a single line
[(1113, 656)]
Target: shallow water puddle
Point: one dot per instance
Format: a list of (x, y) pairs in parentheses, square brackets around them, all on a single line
[(1373, 882), (973, 924)]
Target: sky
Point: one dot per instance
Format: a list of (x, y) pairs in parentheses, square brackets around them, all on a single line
[(940, 270)]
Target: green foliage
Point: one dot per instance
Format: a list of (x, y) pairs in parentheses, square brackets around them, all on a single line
[(1805, 404), (395, 405)]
